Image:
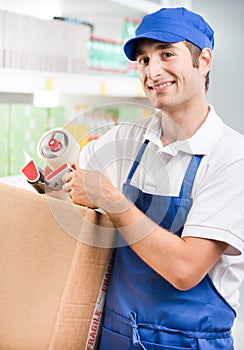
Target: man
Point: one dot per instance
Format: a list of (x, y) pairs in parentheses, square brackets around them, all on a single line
[(173, 186)]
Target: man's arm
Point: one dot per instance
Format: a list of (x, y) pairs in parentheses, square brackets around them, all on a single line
[(181, 261)]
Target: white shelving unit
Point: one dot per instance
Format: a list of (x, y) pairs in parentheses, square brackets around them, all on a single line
[(28, 82)]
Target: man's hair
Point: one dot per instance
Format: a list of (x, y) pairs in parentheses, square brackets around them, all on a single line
[(195, 54)]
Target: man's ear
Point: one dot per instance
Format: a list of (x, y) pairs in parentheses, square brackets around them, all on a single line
[(205, 60)]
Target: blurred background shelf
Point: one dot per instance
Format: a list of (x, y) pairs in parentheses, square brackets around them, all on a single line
[(28, 82)]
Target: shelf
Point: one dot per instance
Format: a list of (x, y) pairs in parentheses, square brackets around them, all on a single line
[(27, 82)]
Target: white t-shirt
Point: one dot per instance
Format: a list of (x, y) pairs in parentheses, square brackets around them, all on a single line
[(217, 211)]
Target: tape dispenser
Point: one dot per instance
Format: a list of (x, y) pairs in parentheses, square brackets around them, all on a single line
[(60, 150)]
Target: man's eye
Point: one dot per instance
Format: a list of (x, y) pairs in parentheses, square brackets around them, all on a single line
[(143, 60), (167, 54)]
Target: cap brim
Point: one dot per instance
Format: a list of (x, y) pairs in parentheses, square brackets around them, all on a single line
[(130, 45)]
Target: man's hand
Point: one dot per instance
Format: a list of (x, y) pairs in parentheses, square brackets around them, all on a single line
[(92, 189)]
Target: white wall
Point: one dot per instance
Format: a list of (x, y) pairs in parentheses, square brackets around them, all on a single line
[(226, 86)]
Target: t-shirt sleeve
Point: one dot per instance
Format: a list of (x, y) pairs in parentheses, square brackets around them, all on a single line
[(217, 211)]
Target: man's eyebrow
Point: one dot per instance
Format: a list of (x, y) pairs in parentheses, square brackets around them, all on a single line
[(165, 45), (160, 46)]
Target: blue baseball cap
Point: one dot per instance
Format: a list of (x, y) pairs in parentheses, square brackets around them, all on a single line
[(172, 25)]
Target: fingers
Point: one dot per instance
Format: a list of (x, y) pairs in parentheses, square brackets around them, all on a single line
[(66, 188), (67, 177), (66, 180), (72, 180)]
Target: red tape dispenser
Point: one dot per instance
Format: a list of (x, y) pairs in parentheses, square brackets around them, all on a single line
[(60, 150)]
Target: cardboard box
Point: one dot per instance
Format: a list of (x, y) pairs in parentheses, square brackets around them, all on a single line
[(49, 280)]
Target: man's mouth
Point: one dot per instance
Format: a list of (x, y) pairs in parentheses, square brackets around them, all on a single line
[(161, 86)]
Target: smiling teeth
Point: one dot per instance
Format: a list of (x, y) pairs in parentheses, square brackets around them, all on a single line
[(162, 85)]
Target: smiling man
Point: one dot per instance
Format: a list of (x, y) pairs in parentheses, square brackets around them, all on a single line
[(173, 186)]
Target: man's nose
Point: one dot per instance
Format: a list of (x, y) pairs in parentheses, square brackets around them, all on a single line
[(155, 67)]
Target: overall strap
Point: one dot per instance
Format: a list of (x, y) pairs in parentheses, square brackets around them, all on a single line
[(137, 160), (189, 177)]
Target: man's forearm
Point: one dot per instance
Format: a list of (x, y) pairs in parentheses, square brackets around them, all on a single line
[(181, 261)]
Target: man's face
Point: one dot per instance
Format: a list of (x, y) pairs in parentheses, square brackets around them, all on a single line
[(167, 74)]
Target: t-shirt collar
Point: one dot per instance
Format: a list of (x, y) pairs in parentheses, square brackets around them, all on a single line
[(200, 143)]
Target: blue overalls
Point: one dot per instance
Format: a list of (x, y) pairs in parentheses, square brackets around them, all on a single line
[(143, 310)]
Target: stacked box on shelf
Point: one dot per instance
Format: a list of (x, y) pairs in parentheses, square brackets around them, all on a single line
[(4, 139), (78, 127), (90, 124), (128, 112), (64, 51), (37, 125), (129, 28), (28, 124), (55, 117), (106, 55)]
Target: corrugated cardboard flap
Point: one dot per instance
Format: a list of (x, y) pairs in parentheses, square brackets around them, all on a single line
[(50, 278)]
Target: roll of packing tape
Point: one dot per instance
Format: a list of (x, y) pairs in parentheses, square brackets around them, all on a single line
[(57, 147)]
